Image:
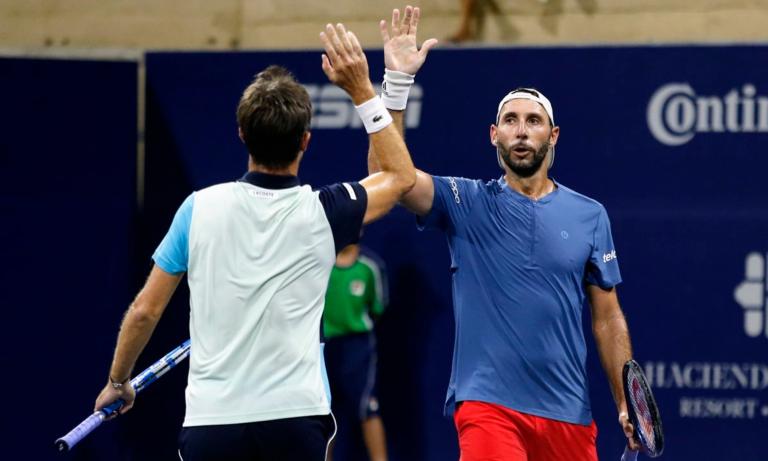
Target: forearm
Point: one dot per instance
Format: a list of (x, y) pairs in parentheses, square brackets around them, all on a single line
[(615, 349), (393, 158), (135, 331), (397, 121)]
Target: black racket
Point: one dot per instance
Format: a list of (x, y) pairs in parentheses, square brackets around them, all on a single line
[(643, 413)]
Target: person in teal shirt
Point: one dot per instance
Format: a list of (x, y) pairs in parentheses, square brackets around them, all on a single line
[(356, 296)]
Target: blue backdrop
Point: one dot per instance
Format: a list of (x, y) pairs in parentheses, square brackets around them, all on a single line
[(68, 202), (669, 139)]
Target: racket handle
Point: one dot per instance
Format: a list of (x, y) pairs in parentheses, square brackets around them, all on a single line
[(88, 425), (629, 455)]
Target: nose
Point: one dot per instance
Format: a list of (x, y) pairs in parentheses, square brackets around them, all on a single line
[(521, 130)]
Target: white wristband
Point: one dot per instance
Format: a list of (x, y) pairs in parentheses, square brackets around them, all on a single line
[(395, 88), (374, 115)]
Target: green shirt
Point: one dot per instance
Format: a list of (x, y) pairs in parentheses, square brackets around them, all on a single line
[(355, 293)]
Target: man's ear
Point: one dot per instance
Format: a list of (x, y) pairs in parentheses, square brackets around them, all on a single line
[(554, 136), (305, 141)]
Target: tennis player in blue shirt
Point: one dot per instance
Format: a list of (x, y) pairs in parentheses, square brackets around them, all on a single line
[(526, 252)]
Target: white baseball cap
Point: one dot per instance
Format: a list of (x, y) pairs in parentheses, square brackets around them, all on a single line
[(533, 95)]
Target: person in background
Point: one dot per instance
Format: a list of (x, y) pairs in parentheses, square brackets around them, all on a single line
[(356, 297)]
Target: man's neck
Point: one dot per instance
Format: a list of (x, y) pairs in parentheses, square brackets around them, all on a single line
[(534, 187), (290, 170)]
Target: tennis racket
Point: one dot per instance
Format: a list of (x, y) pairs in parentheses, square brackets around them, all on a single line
[(643, 413), (139, 383)]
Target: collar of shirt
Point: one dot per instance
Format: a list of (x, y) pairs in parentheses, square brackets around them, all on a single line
[(270, 181), (517, 195)]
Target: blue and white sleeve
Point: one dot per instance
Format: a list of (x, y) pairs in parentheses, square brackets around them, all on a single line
[(172, 255), (345, 205), (603, 267), (452, 201)]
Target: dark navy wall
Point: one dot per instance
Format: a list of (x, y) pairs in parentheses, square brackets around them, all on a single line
[(67, 201)]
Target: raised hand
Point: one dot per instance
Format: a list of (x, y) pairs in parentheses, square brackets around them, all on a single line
[(401, 52), (344, 63)]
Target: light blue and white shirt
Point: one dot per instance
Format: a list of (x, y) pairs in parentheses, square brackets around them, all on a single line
[(258, 253)]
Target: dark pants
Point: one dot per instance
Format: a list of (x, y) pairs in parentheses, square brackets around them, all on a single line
[(293, 439), (350, 362)]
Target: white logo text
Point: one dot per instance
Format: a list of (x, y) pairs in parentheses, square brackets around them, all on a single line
[(332, 108), (675, 113)]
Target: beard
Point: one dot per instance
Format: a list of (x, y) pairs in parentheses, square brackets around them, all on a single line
[(524, 168)]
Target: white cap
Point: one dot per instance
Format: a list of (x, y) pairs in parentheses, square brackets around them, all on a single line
[(533, 95)]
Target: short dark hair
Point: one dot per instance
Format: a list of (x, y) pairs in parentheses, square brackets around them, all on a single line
[(273, 114)]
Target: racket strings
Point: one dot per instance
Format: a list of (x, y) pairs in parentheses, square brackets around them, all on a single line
[(639, 402)]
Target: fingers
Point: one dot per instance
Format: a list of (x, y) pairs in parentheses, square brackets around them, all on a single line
[(330, 49), (384, 31), (327, 68), (343, 36), (125, 408), (408, 25), (426, 46), (333, 37), (405, 27), (629, 432), (337, 43), (415, 20), (395, 22), (356, 47)]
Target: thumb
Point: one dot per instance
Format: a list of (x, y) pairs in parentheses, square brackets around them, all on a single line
[(426, 46)]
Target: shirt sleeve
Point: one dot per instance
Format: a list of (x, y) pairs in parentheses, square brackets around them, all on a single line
[(603, 267), (345, 205), (172, 255), (452, 202)]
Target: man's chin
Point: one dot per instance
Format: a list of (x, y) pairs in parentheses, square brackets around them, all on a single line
[(524, 169)]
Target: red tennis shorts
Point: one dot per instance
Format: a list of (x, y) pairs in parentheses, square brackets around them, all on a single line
[(490, 432)]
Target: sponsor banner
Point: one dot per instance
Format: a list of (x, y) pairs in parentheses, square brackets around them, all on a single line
[(676, 113)]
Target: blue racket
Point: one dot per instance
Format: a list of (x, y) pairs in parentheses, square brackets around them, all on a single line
[(139, 383)]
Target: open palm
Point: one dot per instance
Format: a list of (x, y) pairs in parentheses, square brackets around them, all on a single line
[(401, 52)]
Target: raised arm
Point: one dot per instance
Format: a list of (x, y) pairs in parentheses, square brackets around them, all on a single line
[(403, 59), (614, 347), (344, 64)]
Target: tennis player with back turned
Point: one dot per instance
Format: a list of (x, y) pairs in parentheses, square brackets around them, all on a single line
[(258, 253)]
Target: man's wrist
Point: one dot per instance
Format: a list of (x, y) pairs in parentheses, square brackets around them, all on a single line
[(374, 115), (359, 96), (118, 384), (395, 89)]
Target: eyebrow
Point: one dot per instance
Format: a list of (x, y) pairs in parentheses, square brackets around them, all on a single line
[(528, 114)]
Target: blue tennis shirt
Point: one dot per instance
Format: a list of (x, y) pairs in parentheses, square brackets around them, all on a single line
[(519, 271)]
